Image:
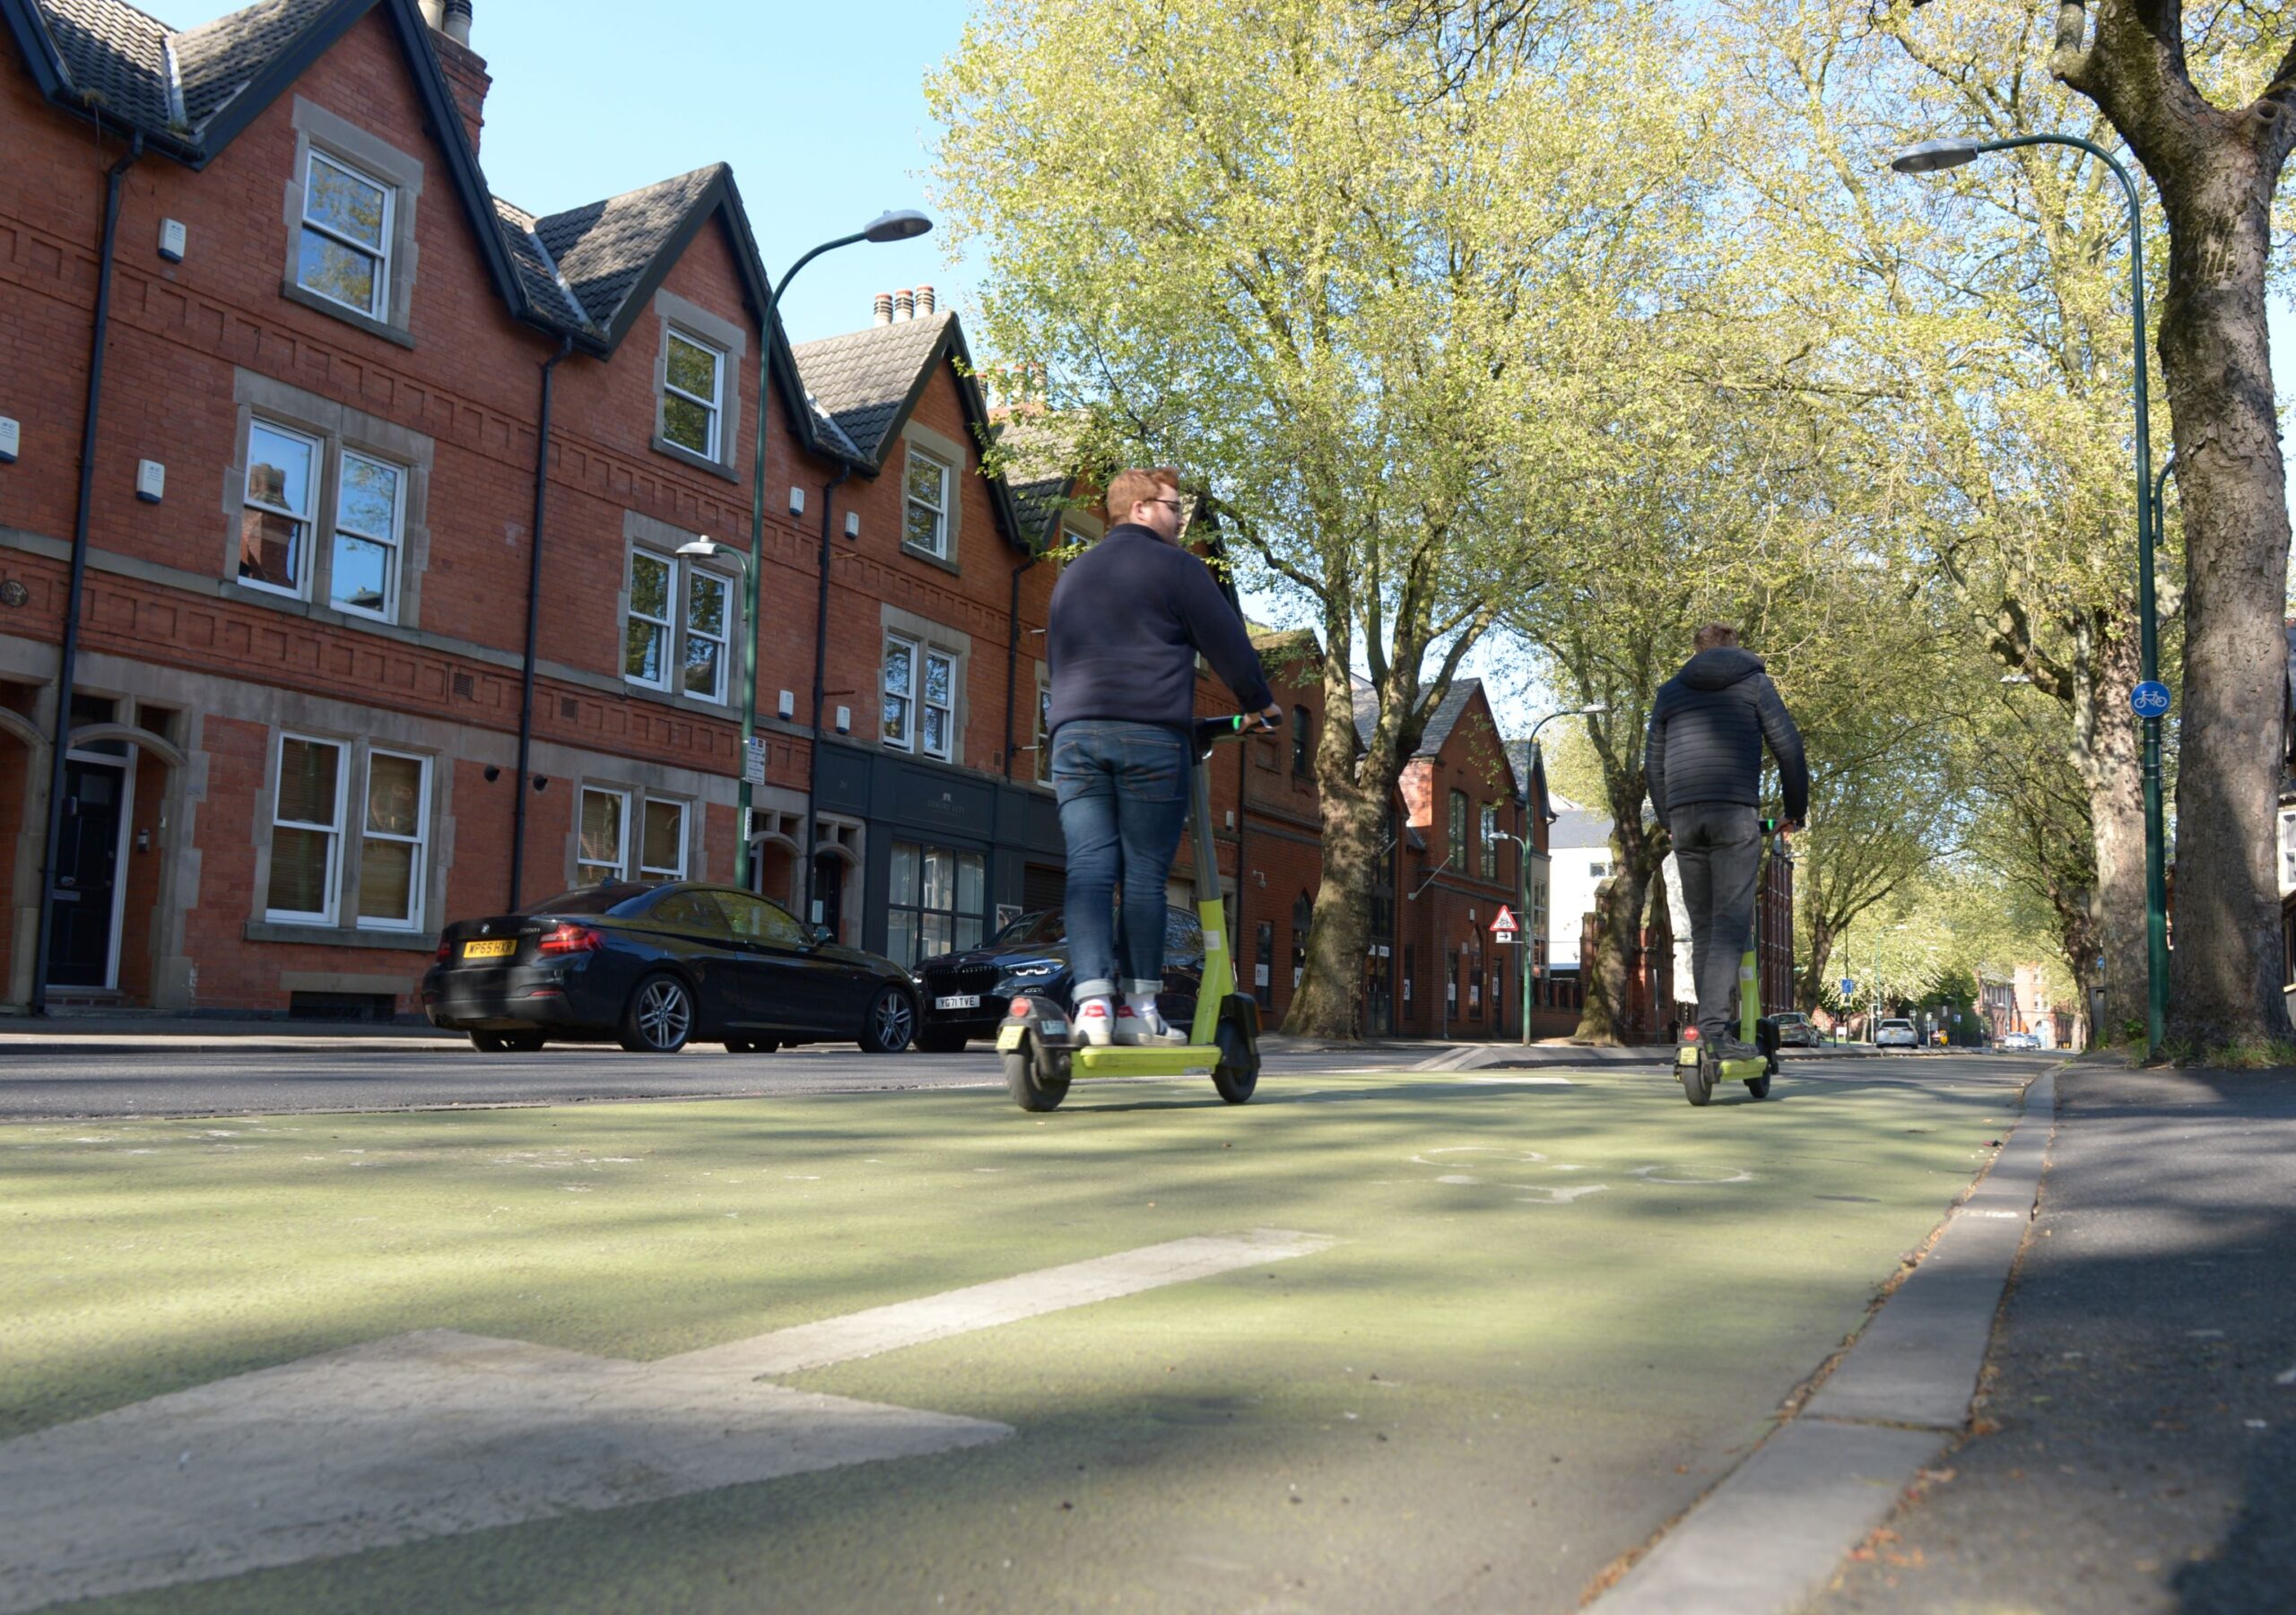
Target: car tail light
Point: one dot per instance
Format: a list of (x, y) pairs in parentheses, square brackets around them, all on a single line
[(1019, 1006), (566, 937), (446, 951)]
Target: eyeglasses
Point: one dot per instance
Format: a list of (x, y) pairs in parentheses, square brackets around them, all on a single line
[(1175, 504)]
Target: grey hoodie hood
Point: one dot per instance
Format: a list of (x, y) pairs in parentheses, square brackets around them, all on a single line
[(1719, 668)]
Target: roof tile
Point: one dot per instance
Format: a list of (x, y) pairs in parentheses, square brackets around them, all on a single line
[(116, 55), (603, 248), (862, 377)]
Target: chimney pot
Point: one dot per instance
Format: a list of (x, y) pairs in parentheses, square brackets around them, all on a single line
[(924, 303), (904, 305), (434, 12), (883, 309), (455, 24)]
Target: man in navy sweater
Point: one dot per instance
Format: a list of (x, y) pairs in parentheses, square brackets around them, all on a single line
[(1703, 762), (1128, 618)]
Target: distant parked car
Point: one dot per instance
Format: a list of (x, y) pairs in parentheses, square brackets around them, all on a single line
[(654, 967), (964, 995), (1795, 1031), (1896, 1034), (2021, 1040)]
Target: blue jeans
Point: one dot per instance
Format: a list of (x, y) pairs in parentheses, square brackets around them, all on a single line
[(1717, 846), (1123, 790)]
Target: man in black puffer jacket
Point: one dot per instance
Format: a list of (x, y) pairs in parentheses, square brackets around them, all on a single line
[(1704, 765)]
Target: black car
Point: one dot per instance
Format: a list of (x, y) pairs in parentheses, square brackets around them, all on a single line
[(964, 995), (654, 967)]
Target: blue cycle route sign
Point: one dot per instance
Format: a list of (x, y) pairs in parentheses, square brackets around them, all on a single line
[(2149, 699), (1847, 986)]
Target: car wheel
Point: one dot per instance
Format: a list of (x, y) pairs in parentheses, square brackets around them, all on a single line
[(941, 1041), (659, 1016), (891, 1022)]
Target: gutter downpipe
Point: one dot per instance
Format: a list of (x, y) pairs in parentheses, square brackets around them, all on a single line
[(533, 619), (1012, 657), (67, 663), (821, 679)]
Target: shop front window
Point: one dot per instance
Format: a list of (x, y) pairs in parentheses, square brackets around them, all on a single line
[(935, 900)]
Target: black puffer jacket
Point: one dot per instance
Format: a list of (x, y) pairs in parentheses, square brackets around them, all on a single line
[(1707, 729)]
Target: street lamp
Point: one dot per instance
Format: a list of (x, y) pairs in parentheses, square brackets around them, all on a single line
[(1928, 158), (1523, 864), (900, 224)]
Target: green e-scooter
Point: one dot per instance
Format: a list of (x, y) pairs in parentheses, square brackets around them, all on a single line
[(1697, 1065), (1038, 1037)]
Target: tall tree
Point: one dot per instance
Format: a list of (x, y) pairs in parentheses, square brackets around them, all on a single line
[(2216, 153), (1342, 263)]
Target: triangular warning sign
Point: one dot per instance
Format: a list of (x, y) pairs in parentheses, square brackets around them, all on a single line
[(1504, 920)]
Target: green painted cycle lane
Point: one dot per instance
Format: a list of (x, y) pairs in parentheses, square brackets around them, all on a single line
[(1550, 1316)]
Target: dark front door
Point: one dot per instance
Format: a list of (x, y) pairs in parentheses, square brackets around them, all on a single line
[(829, 892), (87, 869)]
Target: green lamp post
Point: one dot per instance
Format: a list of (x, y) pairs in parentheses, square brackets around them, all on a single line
[(1927, 158), (903, 224)]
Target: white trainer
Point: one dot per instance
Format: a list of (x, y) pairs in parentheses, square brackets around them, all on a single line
[(1095, 1024)]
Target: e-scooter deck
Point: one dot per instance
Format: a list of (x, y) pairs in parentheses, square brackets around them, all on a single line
[(1037, 1041)]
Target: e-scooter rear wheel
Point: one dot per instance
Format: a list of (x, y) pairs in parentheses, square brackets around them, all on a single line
[(1037, 1077), (1698, 1080), (1237, 1074)]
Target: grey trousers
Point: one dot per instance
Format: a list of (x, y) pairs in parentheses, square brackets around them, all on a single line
[(1719, 847)]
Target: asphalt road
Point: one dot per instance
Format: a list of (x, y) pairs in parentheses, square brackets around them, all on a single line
[(208, 1077), (1528, 1318)]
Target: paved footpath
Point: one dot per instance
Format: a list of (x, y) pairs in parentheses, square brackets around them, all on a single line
[(1377, 1341), (2135, 1445)]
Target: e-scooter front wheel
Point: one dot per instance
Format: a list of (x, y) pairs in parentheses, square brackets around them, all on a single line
[(1237, 1073)]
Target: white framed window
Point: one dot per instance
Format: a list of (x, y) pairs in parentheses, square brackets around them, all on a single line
[(693, 380), (1490, 841), (305, 832), (344, 254), (661, 845), (653, 605), (604, 852), (370, 513), (678, 628), (1044, 732), (926, 521), (706, 618), (275, 510), (919, 689), (394, 841), (2287, 852)]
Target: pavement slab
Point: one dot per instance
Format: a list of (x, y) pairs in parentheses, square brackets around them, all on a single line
[(2134, 1447)]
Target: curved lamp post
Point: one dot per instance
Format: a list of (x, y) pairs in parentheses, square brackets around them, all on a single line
[(902, 224), (1523, 865), (1928, 158)]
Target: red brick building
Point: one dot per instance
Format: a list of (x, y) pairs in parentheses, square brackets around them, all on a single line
[(381, 611)]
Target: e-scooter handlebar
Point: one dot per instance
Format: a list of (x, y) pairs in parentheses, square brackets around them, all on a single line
[(1209, 731)]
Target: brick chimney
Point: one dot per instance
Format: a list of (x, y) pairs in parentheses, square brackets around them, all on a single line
[(882, 309), (466, 69), (924, 304)]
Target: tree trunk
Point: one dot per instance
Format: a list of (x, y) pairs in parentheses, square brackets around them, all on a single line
[(2216, 171), (1810, 984), (2226, 971), (1606, 1018), (1353, 792), (2106, 753)]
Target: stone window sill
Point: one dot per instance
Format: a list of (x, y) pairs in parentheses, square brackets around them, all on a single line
[(678, 451), (349, 317), (929, 559), (341, 936)]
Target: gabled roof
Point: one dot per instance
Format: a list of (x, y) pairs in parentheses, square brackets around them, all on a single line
[(1578, 830), (1039, 505), (869, 381), (1440, 722), (607, 250), (189, 95), (1527, 763)]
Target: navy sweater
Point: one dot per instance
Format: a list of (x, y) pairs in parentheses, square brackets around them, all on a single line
[(1128, 617), (1707, 730)]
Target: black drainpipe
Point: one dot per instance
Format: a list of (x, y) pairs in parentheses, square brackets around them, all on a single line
[(521, 785), (67, 665), (821, 678)]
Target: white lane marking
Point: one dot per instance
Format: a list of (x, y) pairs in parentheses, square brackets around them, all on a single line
[(1500, 1151), (437, 1432), (1560, 1195), (1521, 1082), (860, 1334)]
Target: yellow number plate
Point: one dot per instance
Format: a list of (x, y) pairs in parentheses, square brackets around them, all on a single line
[(503, 949)]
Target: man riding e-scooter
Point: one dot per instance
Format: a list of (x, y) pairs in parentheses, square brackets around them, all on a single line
[(1703, 762), (1128, 618)]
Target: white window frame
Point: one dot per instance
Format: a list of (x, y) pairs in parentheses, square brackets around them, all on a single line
[(948, 747), (920, 651), (333, 832), (583, 866), (394, 541), (419, 841), (907, 740), (687, 632), (714, 404), (939, 548), (1490, 844), (654, 872), (314, 488), (379, 307), (668, 624)]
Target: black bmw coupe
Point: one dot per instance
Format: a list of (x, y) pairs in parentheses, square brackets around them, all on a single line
[(964, 995), (656, 967)]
